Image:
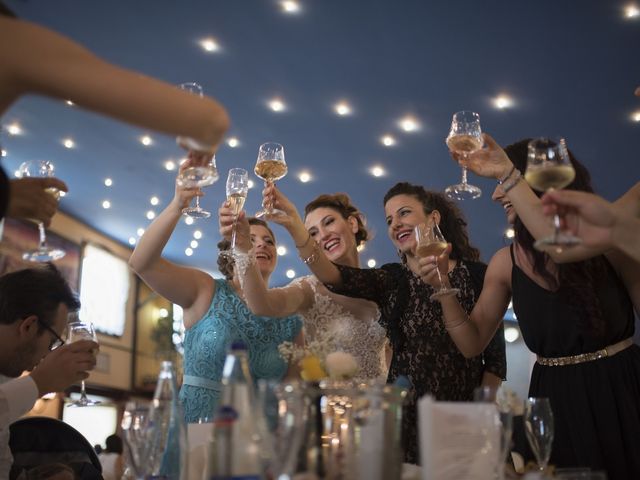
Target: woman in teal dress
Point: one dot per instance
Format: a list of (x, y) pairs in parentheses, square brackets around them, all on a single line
[(214, 313)]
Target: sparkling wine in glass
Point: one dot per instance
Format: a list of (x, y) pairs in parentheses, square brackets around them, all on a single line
[(431, 242), (270, 167), (79, 330), (44, 253), (237, 189), (538, 425), (549, 168), (465, 137)]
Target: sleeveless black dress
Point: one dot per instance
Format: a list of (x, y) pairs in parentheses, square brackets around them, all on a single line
[(596, 404)]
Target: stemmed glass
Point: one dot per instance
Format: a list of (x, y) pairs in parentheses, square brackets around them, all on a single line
[(549, 167), (79, 330), (43, 253), (270, 167), (237, 189), (465, 137), (498, 396), (431, 241), (202, 172), (538, 425)]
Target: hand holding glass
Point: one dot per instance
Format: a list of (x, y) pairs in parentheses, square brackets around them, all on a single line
[(465, 137), (431, 242), (43, 253), (270, 167), (538, 425), (82, 331), (237, 189)]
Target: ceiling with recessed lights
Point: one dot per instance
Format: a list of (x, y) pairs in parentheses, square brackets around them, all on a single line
[(360, 93)]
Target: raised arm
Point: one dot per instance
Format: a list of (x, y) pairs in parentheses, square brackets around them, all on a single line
[(37, 60), (178, 284)]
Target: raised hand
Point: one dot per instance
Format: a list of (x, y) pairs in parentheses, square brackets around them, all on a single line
[(275, 197), (28, 198), (429, 266), (184, 195), (490, 161), (226, 217)]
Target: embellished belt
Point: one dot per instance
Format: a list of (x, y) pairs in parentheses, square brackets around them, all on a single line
[(201, 382), (609, 351)]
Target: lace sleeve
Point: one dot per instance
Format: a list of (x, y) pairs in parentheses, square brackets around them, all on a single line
[(370, 284)]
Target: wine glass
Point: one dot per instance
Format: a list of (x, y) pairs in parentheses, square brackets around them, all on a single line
[(270, 167), (498, 397), (79, 330), (549, 167), (431, 241), (465, 137), (202, 172), (237, 189), (43, 253), (538, 424)]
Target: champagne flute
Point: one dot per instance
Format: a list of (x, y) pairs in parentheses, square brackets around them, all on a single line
[(498, 397), (79, 330), (465, 137), (270, 167), (43, 253), (202, 172), (431, 241), (237, 189), (538, 424), (549, 167)]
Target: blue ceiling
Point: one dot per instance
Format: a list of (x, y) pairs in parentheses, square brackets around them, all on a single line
[(570, 67)]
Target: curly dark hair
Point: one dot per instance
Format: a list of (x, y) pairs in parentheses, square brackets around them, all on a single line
[(452, 222), (341, 203), (225, 264), (576, 282)]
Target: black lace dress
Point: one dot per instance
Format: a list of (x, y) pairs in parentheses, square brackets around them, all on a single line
[(422, 348)]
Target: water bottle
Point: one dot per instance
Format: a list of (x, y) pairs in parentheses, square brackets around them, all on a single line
[(166, 455), (239, 425)]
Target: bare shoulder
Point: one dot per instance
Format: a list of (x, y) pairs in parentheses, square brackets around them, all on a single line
[(499, 269)]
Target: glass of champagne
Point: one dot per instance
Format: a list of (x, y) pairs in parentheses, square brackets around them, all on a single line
[(237, 189), (538, 425), (270, 167), (430, 241), (79, 330), (465, 137), (549, 167), (44, 253)]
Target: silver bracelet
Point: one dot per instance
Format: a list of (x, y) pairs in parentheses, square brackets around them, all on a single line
[(502, 180), (512, 182), (313, 257)]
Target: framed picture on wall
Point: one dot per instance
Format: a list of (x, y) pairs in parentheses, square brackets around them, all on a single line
[(19, 237)]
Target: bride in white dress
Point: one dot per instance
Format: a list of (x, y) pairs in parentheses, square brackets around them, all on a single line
[(348, 324)]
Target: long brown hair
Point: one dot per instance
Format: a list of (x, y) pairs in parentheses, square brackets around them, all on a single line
[(341, 203), (225, 263), (452, 222)]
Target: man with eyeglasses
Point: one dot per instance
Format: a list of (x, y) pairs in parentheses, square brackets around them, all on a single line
[(34, 308)]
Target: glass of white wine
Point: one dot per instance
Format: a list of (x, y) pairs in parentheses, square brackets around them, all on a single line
[(79, 330), (237, 189), (549, 167), (465, 137), (270, 167), (431, 242), (538, 427), (44, 253)]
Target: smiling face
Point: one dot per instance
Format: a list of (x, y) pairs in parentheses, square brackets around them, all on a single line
[(332, 232), (499, 196), (264, 246), (403, 213)]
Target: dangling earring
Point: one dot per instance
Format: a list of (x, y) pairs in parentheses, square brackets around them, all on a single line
[(402, 256)]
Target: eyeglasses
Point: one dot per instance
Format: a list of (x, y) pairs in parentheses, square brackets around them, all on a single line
[(57, 341)]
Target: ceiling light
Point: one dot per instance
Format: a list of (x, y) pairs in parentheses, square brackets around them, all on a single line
[(635, 116), (304, 177), (276, 105), (132, 240), (106, 204), (70, 103), (502, 101), (360, 248), (511, 334), (290, 6), (509, 232), (409, 124), (388, 140), (209, 45), (194, 244), (170, 165), (282, 250), (197, 234), (291, 273), (68, 143), (188, 220), (250, 184), (377, 171), (140, 232), (108, 182), (4, 153), (146, 140), (151, 215), (233, 142), (631, 11), (342, 108), (188, 252), (14, 129), (154, 200), (371, 263), (17, 174), (164, 313)]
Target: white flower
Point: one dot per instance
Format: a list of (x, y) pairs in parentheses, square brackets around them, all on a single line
[(341, 365)]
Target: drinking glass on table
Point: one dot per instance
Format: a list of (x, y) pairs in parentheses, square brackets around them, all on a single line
[(431, 242), (44, 253), (538, 427), (237, 189), (79, 330), (270, 167), (498, 397), (549, 167), (134, 432), (465, 137)]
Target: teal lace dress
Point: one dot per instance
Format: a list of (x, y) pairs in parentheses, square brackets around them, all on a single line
[(207, 342)]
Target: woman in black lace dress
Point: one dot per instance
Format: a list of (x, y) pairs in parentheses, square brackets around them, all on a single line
[(422, 349)]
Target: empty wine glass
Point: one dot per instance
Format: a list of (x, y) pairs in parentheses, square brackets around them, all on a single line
[(270, 167), (465, 137), (79, 330), (538, 425), (134, 430), (498, 397), (549, 167), (237, 189), (43, 253), (431, 241)]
